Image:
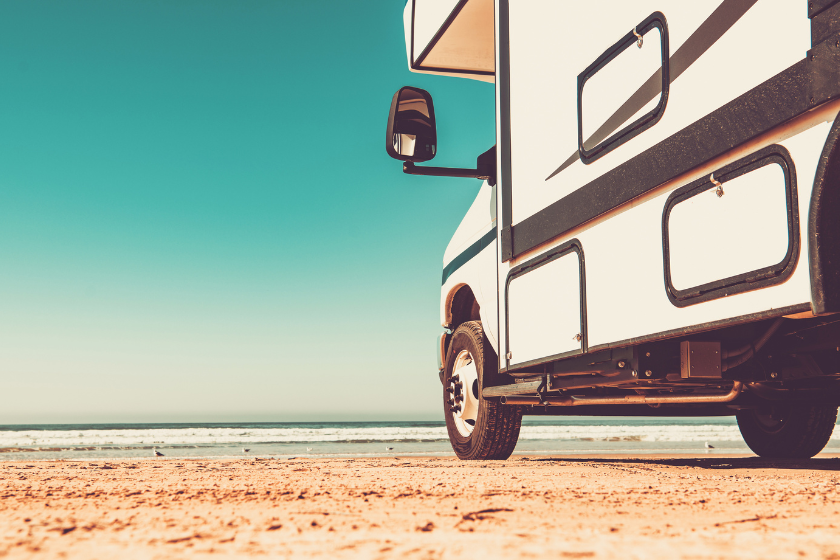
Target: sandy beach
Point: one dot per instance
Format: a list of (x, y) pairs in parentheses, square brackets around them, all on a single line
[(527, 507)]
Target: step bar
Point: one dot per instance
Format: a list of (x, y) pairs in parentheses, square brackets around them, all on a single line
[(737, 387)]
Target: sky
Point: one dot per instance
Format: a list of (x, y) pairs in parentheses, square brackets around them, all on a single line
[(198, 219)]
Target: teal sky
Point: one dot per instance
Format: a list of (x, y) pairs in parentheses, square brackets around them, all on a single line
[(198, 220)]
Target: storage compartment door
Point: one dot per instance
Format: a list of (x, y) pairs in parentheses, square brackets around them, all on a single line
[(733, 231), (544, 310)]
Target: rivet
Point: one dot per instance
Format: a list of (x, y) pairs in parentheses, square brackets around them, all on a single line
[(647, 354), (774, 375), (635, 373), (621, 364), (648, 373)]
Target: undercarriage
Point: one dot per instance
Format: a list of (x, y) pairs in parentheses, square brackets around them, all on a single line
[(761, 365)]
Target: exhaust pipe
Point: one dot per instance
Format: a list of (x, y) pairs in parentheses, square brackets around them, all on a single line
[(737, 387)]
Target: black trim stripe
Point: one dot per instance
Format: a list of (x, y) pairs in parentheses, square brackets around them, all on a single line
[(705, 327), (468, 254), (816, 7), (590, 357), (503, 126), (802, 87)]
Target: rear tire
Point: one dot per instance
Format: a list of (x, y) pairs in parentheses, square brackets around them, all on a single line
[(478, 428), (797, 432)]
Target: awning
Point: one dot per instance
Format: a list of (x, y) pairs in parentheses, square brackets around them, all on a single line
[(452, 37)]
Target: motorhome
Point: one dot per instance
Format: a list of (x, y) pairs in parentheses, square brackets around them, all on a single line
[(657, 230)]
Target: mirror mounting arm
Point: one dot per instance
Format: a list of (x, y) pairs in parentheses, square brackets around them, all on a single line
[(483, 174)]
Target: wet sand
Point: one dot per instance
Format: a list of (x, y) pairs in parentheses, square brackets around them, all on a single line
[(607, 507)]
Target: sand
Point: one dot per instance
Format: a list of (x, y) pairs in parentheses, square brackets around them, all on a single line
[(537, 507)]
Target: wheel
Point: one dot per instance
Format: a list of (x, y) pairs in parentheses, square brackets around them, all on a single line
[(478, 428), (797, 432)]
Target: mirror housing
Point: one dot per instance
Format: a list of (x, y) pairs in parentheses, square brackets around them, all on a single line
[(411, 134)]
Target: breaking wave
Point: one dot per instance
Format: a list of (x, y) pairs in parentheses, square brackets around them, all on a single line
[(352, 434)]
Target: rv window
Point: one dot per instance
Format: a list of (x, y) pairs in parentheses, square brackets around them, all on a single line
[(624, 90)]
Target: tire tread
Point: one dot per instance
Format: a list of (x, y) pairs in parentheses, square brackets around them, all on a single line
[(806, 433), (497, 426)]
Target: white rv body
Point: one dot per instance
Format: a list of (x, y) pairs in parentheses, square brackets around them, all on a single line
[(550, 43), (659, 233), (479, 272)]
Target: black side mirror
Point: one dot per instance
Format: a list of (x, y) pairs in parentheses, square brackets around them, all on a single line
[(411, 134)]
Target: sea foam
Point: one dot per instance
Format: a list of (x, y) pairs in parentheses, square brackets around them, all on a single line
[(355, 434)]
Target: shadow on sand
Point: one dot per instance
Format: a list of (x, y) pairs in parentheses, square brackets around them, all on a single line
[(712, 463)]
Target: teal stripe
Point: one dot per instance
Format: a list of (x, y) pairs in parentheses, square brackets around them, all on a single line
[(469, 253)]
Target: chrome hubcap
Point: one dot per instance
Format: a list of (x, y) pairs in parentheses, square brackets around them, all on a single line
[(463, 393)]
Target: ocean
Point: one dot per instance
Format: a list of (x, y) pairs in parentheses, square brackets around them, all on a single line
[(539, 436)]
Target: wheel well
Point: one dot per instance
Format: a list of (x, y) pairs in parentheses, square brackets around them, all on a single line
[(462, 307), (824, 228)]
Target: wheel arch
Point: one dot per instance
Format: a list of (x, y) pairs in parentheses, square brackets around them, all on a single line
[(824, 228), (460, 305)]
